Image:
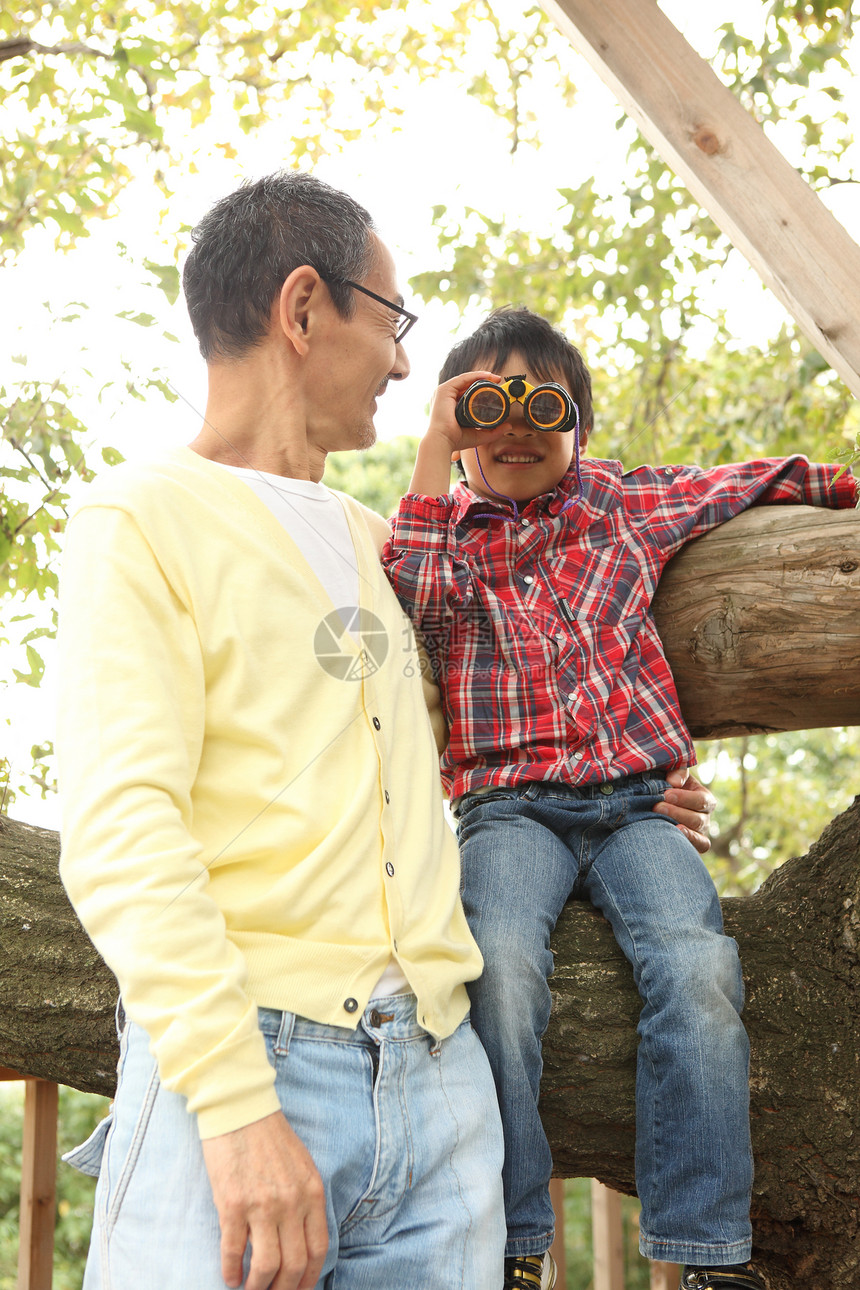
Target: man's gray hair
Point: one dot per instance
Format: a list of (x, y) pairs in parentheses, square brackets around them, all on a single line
[(251, 240)]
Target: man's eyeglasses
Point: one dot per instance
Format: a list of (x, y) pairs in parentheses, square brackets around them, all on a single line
[(408, 320)]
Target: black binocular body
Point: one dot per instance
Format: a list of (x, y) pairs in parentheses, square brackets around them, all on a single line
[(486, 405)]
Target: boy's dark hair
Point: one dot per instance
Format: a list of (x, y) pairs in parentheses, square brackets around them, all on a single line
[(251, 240), (547, 351)]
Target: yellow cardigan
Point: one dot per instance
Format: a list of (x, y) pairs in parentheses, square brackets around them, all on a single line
[(250, 814)]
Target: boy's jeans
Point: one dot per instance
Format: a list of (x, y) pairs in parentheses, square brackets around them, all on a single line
[(403, 1130), (524, 852)]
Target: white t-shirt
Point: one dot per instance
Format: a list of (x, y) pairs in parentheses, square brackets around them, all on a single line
[(314, 518)]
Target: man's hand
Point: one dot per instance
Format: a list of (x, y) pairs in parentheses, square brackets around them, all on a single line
[(267, 1191), (689, 804)]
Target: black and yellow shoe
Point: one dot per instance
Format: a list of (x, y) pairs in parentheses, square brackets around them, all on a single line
[(738, 1276), (535, 1270)]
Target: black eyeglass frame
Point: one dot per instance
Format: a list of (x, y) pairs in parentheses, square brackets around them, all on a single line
[(411, 319)]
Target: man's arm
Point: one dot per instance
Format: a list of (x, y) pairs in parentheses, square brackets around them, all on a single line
[(129, 739)]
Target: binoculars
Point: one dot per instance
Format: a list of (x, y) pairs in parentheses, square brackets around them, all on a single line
[(486, 405)]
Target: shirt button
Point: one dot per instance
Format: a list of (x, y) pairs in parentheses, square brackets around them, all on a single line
[(528, 578), (350, 1005), (579, 754), (377, 725), (571, 698), (526, 523), (607, 789), (389, 869)]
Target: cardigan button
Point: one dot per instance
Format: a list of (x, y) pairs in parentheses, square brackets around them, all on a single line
[(350, 1005), (389, 869), (377, 725)]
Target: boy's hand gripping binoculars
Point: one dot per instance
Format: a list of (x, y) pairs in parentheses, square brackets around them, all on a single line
[(486, 405)]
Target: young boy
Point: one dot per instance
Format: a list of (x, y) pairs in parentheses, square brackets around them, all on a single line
[(532, 585)]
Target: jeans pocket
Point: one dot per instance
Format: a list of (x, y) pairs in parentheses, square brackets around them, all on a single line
[(470, 801), (87, 1158)]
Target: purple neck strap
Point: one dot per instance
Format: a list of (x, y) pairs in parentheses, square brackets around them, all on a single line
[(571, 501)]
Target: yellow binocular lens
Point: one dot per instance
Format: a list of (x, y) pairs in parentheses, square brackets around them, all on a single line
[(486, 405)]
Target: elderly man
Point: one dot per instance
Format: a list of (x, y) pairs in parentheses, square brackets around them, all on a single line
[(253, 832)]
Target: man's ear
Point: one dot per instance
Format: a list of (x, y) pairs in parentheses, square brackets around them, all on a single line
[(300, 298), (584, 432)]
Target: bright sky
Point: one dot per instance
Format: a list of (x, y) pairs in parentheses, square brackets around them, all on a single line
[(447, 151)]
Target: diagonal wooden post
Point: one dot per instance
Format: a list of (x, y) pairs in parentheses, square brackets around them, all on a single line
[(729, 165)]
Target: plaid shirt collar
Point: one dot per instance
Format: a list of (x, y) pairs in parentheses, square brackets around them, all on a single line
[(602, 490)]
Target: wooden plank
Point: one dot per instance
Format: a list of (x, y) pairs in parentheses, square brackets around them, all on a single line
[(729, 165), (556, 1195), (38, 1186), (665, 1276), (7, 1074), (607, 1237)]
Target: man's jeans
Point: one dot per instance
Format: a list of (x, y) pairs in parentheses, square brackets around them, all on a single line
[(524, 852), (404, 1132)]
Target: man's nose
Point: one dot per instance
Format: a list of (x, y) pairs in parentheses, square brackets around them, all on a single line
[(401, 368)]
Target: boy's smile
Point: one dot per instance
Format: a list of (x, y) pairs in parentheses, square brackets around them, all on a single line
[(518, 461)]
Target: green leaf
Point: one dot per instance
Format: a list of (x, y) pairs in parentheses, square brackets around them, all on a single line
[(167, 276), (37, 669)]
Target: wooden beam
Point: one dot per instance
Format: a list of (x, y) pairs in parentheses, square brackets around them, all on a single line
[(556, 1195), (607, 1237), (729, 165), (665, 1276), (38, 1186)]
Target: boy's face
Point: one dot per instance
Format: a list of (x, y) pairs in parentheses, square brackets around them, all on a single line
[(520, 462)]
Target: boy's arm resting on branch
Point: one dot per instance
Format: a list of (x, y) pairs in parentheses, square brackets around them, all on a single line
[(722, 492)]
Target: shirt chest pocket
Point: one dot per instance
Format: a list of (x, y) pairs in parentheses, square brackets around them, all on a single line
[(604, 587)]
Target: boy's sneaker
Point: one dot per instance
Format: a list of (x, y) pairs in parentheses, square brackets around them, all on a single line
[(535, 1270), (738, 1276)]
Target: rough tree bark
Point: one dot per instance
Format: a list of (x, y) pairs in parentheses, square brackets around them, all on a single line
[(761, 620)]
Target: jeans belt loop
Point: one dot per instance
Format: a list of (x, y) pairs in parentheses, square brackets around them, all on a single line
[(285, 1033)]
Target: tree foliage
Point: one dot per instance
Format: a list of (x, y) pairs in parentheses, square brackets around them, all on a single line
[(98, 94)]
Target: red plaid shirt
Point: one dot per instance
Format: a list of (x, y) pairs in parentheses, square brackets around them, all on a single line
[(540, 631)]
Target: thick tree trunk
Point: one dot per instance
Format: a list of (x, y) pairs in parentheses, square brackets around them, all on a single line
[(761, 621), (57, 997)]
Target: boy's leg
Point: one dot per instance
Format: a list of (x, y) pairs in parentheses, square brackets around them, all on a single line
[(516, 876), (693, 1154)]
